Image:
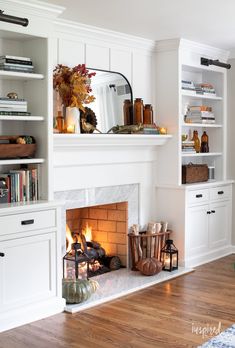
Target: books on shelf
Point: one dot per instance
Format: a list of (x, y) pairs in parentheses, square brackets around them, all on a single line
[(188, 146), (205, 89), (199, 114), (13, 105), (14, 113), (22, 185), (17, 64)]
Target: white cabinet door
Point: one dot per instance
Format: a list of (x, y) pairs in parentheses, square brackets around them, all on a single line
[(97, 57), (197, 238), (27, 271), (219, 225), (70, 52)]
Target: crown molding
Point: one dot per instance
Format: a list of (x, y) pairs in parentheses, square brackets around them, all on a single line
[(180, 43), (84, 31), (32, 7)]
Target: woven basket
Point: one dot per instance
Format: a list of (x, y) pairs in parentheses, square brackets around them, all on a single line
[(194, 173)]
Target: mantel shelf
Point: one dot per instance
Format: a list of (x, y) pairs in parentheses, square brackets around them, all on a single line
[(89, 140)]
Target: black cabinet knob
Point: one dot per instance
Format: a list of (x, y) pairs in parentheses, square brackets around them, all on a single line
[(213, 211), (199, 196), (220, 192), (208, 212), (2, 254)]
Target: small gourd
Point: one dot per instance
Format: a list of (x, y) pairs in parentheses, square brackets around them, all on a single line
[(78, 290), (149, 266)]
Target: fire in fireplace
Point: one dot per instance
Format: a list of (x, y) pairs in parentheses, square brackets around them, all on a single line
[(85, 257)]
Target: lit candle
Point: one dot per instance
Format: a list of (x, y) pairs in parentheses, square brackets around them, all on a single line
[(71, 129), (163, 130), (167, 262)]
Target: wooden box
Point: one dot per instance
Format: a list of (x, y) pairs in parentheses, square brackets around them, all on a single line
[(11, 150), (194, 173)]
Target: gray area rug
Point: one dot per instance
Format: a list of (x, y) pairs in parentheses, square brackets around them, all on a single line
[(224, 340)]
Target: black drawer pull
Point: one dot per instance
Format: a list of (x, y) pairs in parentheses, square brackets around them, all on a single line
[(208, 212), (199, 196), (2, 254), (220, 192), (213, 211), (27, 222)]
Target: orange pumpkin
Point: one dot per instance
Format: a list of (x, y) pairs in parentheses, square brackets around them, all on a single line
[(149, 266)]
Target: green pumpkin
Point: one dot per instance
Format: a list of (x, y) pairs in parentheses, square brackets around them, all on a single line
[(78, 290)]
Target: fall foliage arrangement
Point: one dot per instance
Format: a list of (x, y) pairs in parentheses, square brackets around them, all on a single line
[(73, 85)]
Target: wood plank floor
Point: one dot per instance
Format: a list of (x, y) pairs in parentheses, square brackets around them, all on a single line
[(160, 316)]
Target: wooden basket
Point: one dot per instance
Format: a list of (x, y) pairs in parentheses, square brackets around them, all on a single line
[(11, 151), (194, 173), (146, 245)]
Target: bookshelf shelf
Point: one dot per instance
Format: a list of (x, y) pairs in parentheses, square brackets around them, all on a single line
[(14, 75), (193, 95), (202, 125), (22, 161), (207, 154), (21, 118)]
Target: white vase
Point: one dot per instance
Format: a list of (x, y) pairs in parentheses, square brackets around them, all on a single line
[(73, 120)]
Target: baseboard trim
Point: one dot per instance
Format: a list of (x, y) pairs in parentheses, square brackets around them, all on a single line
[(27, 314), (209, 257)]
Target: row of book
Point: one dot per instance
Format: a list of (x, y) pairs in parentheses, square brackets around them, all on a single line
[(206, 89), (188, 146), (10, 106), (22, 185), (199, 114), (15, 63)]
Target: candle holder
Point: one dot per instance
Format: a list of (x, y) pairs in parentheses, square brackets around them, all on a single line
[(169, 256)]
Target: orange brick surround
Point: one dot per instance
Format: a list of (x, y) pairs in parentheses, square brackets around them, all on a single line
[(108, 223)]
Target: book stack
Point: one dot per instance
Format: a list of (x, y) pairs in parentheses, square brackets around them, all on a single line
[(205, 89), (14, 63), (10, 106), (187, 85), (22, 185), (199, 114), (188, 146)]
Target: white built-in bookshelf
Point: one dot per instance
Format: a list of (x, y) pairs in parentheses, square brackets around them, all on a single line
[(33, 87)]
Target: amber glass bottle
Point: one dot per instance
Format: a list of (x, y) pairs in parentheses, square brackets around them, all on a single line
[(196, 141), (128, 112), (60, 122), (138, 111), (148, 114), (204, 142)]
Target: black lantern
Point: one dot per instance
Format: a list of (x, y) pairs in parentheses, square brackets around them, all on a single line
[(169, 256), (75, 263)]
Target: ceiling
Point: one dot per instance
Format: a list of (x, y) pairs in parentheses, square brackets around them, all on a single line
[(210, 22)]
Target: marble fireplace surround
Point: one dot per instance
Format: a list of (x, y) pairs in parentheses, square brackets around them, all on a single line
[(119, 283), (97, 196)]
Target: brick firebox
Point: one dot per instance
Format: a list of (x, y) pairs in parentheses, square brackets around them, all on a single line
[(108, 223)]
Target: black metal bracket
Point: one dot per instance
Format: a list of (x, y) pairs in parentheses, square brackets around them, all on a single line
[(207, 62), (12, 19)]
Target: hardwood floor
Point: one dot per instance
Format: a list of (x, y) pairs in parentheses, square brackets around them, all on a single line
[(160, 316)]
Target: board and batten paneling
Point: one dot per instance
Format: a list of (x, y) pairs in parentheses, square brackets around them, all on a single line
[(97, 57), (71, 52), (142, 77), (121, 61)]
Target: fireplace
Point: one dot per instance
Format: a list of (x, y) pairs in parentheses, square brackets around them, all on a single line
[(98, 233)]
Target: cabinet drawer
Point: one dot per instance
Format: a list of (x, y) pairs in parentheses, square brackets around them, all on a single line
[(27, 221), (220, 192), (198, 196)]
